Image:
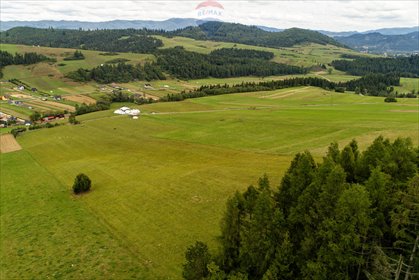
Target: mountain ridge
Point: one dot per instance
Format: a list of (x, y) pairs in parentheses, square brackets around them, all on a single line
[(173, 24)]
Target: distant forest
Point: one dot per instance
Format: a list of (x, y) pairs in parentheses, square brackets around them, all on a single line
[(252, 35), (355, 215), (126, 40), (405, 66), (141, 41)]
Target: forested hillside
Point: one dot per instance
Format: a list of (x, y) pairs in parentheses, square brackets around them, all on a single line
[(252, 35), (353, 216), (140, 40), (405, 66), (122, 40)]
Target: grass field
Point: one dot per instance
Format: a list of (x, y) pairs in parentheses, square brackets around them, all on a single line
[(50, 77), (302, 55), (161, 182)]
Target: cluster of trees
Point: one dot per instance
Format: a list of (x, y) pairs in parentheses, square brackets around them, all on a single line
[(122, 40), (222, 63), (252, 35), (100, 105), (77, 55), (374, 84), (353, 216), (370, 84), (120, 72), (404, 66), (7, 58)]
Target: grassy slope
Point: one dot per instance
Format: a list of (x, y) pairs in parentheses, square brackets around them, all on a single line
[(305, 55), (48, 77), (46, 233), (161, 182)]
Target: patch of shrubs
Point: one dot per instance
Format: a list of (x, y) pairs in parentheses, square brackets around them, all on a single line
[(78, 55), (82, 183), (16, 131), (44, 125), (340, 89), (390, 99)]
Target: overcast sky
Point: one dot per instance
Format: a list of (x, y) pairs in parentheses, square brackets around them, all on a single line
[(339, 15)]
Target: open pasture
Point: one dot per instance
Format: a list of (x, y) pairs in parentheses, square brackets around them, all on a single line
[(161, 182), (301, 55)]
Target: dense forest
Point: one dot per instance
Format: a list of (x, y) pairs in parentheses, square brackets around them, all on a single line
[(373, 84), (404, 66), (252, 35), (7, 58), (222, 63), (355, 215), (126, 40), (119, 73)]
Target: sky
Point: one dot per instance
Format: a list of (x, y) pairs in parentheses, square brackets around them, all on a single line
[(339, 15)]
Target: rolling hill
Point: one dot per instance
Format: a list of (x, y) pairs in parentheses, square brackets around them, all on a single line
[(252, 35), (378, 43)]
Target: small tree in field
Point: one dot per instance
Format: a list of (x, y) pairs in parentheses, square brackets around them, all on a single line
[(82, 183), (72, 119)]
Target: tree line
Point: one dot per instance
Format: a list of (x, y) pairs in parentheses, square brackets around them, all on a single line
[(373, 84), (404, 66), (355, 215)]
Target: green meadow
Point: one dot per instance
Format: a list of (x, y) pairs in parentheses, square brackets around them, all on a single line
[(301, 55), (161, 182), (50, 77)]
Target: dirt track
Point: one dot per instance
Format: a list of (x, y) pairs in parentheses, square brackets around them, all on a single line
[(8, 144)]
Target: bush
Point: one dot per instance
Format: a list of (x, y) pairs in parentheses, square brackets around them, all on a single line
[(390, 99), (16, 131), (82, 184), (72, 119)]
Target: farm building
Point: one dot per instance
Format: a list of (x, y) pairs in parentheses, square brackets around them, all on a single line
[(127, 111)]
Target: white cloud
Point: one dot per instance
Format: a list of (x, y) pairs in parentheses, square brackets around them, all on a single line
[(328, 15)]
